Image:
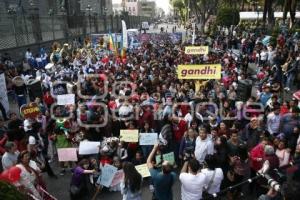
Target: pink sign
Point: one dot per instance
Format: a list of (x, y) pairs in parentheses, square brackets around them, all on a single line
[(117, 178), (67, 154)]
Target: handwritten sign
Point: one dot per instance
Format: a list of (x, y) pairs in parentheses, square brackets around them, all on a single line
[(143, 170), (108, 173), (206, 71), (129, 135), (66, 99), (158, 159), (30, 110), (67, 154), (168, 157), (119, 175), (196, 50), (148, 138), (86, 148)]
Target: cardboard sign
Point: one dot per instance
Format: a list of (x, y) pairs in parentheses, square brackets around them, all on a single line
[(129, 135), (108, 173), (67, 154), (196, 50), (66, 99), (30, 110), (87, 148), (148, 138), (168, 157), (119, 175), (206, 71), (143, 170)]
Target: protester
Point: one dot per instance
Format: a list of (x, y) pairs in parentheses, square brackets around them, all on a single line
[(78, 187), (10, 157), (204, 146), (132, 183), (29, 175), (192, 181), (163, 179)]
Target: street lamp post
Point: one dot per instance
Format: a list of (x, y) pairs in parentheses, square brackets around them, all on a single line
[(51, 14), (89, 9)]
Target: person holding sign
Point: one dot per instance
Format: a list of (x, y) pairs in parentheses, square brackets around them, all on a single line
[(131, 186), (163, 179), (146, 148)]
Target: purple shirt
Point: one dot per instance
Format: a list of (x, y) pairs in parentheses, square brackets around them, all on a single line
[(77, 176)]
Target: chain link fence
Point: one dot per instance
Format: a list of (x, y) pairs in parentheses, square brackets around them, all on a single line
[(25, 30)]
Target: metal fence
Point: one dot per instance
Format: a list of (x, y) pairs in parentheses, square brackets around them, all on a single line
[(25, 30)]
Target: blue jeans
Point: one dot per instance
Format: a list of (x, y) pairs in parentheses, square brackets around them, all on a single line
[(146, 149), (21, 100), (290, 80)]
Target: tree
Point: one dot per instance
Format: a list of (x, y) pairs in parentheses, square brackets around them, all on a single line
[(289, 5), (268, 9), (202, 9), (179, 6), (228, 16)]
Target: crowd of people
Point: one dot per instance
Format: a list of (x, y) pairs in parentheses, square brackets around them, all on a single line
[(221, 131)]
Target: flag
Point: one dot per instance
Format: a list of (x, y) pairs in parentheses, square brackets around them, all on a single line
[(111, 43), (123, 53), (124, 35)]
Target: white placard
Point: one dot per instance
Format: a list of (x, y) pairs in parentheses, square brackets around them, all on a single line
[(66, 99), (86, 148), (148, 138), (108, 173)]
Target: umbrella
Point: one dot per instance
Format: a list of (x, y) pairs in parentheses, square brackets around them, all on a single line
[(11, 175)]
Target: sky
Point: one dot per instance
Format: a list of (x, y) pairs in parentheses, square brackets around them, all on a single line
[(164, 4)]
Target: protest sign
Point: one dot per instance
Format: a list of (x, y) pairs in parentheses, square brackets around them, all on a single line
[(143, 170), (168, 157), (158, 159), (66, 99), (206, 71), (196, 50), (86, 148), (148, 138), (119, 175), (129, 135), (108, 173), (67, 154), (30, 110)]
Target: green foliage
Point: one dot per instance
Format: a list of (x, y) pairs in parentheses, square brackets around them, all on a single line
[(227, 16), (10, 192)]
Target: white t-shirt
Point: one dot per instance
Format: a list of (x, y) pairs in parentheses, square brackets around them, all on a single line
[(203, 148), (216, 183), (191, 186)]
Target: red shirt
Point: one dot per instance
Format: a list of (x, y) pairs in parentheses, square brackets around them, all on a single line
[(257, 152), (179, 130), (48, 99)]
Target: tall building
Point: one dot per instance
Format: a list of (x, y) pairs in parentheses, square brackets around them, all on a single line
[(140, 7), (132, 7), (147, 8), (100, 7)]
